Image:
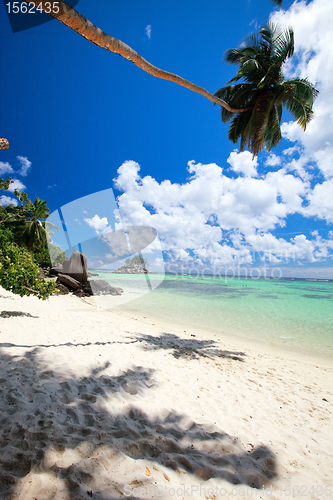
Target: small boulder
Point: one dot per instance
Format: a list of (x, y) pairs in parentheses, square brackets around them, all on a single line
[(71, 283), (101, 287), (81, 293), (55, 270), (62, 289)]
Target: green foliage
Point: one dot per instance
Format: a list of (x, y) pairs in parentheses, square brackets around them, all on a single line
[(19, 267), (41, 256), (263, 92), (19, 272)]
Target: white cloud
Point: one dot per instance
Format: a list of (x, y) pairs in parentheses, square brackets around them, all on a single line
[(7, 200), (273, 160), (99, 224), (5, 168), (17, 184), (243, 163), (25, 165), (148, 31), (321, 201), (300, 165), (217, 219), (324, 160)]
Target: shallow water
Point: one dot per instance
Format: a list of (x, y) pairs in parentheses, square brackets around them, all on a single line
[(293, 314)]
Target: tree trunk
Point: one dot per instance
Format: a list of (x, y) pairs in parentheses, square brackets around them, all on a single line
[(72, 19), (4, 144)]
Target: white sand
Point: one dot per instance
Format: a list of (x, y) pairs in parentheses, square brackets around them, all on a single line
[(95, 404)]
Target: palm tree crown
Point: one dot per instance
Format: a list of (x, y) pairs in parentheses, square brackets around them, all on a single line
[(32, 228), (263, 91)]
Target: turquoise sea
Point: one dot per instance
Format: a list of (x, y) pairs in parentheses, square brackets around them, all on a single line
[(291, 314)]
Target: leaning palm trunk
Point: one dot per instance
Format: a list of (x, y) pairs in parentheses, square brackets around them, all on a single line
[(4, 144), (72, 19)]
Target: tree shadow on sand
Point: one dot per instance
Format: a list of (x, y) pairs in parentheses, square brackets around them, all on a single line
[(189, 348), (61, 426)]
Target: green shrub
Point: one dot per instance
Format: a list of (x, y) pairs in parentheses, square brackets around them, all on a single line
[(19, 272)]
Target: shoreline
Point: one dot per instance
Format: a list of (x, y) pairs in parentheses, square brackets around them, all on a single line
[(300, 353), (98, 401), (290, 333), (232, 338)]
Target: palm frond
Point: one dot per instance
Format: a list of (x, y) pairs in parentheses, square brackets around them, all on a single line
[(284, 45)]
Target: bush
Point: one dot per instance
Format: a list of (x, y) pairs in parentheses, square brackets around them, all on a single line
[(19, 272)]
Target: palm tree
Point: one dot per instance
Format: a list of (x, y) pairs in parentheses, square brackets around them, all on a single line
[(31, 229), (263, 90)]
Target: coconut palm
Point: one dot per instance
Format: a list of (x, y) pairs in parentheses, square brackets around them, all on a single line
[(31, 229), (263, 90)]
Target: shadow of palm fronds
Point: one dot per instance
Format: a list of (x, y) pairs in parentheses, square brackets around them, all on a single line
[(48, 418), (189, 348)]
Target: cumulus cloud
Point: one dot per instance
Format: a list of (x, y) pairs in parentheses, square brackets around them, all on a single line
[(321, 201), (17, 184), (148, 31), (100, 225), (5, 168), (7, 200), (313, 59), (243, 163), (218, 219), (22, 171), (273, 160), (25, 165)]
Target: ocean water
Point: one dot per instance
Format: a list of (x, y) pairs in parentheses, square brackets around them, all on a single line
[(291, 314)]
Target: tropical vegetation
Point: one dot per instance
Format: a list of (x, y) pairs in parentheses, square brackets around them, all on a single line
[(263, 91), (23, 245)]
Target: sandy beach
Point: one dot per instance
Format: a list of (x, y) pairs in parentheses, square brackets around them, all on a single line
[(99, 404)]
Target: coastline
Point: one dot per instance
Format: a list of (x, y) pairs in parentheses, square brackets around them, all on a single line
[(258, 311), (96, 401)]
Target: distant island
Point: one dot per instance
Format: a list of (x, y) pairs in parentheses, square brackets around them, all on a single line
[(136, 265)]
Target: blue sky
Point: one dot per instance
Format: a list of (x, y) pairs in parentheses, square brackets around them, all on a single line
[(81, 120)]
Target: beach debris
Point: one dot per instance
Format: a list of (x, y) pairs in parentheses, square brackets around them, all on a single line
[(9, 314), (101, 287), (148, 473)]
